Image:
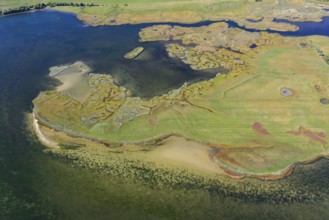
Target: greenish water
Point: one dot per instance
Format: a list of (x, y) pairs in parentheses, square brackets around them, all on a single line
[(39, 185)]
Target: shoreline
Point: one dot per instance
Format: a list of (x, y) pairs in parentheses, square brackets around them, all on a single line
[(169, 161), (40, 136), (153, 153), (239, 22)]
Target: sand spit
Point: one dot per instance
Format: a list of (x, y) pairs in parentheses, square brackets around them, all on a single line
[(41, 137)]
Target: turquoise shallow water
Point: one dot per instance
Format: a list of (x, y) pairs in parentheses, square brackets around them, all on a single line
[(36, 185)]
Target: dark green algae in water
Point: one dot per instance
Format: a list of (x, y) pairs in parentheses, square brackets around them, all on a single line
[(38, 185), (65, 189)]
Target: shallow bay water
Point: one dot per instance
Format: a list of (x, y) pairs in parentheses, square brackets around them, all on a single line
[(36, 185)]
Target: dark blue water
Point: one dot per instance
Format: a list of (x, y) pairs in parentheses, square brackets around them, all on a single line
[(35, 185), (305, 28), (51, 38), (308, 28)]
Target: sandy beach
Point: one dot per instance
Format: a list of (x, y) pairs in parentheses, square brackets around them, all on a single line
[(41, 137)]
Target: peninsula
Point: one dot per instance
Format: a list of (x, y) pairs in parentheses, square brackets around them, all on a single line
[(259, 120)]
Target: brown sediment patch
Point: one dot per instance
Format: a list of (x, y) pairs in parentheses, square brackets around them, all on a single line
[(322, 134), (231, 166), (238, 167), (234, 175), (258, 128), (152, 120), (289, 170), (284, 173), (222, 154), (314, 136)]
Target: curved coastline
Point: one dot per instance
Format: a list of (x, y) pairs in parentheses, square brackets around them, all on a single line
[(157, 141), (157, 169), (41, 137)]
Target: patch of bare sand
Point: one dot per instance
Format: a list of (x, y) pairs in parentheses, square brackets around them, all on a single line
[(74, 79), (182, 153), (40, 135)]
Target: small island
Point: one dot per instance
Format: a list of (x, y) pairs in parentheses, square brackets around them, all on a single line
[(134, 53)]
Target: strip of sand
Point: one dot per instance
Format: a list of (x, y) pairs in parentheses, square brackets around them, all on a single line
[(41, 137)]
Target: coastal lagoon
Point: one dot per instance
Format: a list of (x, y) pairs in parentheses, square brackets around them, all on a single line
[(35, 184)]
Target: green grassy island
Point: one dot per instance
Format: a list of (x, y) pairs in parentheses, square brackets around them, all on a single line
[(259, 120)]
